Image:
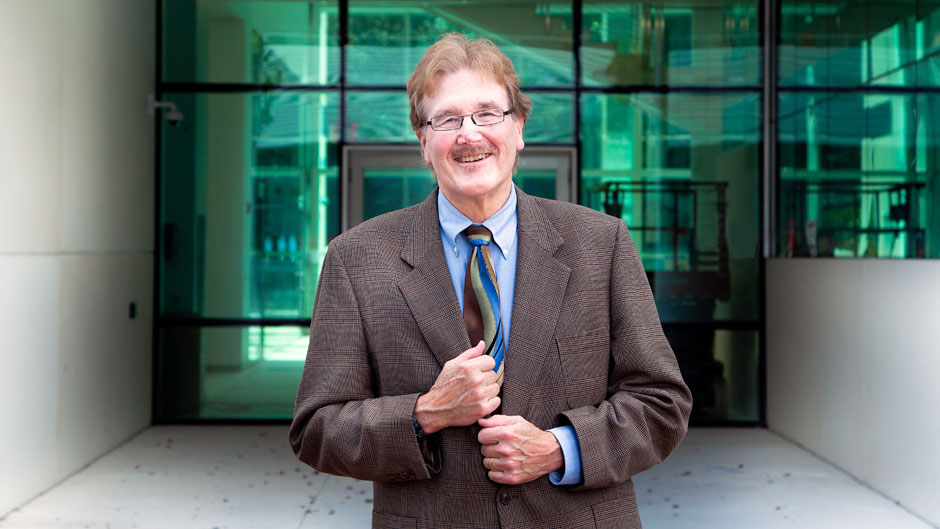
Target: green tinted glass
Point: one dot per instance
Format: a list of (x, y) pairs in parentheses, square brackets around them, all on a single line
[(682, 171), (538, 182), (230, 372), (671, 43), (378, 117), (858, 175), (857, 43), (388, 37), (250, 202), (721, 369), (387, 189), (552, 118), (228, 41)]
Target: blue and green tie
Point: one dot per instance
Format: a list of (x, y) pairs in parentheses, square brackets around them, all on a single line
[(481, 298)]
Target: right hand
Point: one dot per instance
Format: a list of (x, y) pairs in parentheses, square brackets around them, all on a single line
[(465, 391)]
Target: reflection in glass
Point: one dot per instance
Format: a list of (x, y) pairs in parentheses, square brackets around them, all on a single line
[(230, 372), (857, 175), (387, 38), (859, 43), (228, 41), (552, 118), (389, 189), (382, 116), (681, 171), (674, 43), (537, 182), (378, 117), (251, 202), (720, 368)]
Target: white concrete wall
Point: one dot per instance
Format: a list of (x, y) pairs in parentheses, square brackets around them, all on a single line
[(853, 369), (76, 235)]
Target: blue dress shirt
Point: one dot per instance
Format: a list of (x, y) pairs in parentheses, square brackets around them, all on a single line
[(457, 250)]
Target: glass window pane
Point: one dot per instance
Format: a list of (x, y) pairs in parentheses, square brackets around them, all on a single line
[(228, 41), (387, 189), (676, 43), (388, 37), (538, 182), (552, 118), (250, 202), (721, 369), (378, 117), (858, 175), (384, 117), (858, 43), (229, 372), (682, 171)]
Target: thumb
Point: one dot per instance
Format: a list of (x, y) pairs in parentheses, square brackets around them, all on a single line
[(474, 351)]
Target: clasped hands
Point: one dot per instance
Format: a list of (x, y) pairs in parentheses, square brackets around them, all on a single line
[(514, 450)]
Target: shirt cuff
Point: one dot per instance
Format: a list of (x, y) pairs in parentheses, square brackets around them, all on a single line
[(571, 451)]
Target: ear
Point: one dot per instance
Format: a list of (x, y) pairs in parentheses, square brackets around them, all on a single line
[(520, 124), (424, 141)]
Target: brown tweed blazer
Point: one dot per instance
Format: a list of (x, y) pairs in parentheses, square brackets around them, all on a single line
[(586, 349)]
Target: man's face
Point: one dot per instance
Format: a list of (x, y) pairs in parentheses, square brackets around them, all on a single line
[(473, 164)]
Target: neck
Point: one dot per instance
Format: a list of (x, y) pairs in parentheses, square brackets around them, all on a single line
[(481, 208)]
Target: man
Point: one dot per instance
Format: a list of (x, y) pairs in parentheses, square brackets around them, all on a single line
[(572, 388)]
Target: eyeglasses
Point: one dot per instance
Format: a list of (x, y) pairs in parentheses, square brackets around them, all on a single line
[(482, 118)]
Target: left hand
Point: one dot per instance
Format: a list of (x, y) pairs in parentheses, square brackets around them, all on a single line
[(520, 452)]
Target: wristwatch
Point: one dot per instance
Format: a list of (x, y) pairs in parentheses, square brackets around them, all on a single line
[(419, 432)]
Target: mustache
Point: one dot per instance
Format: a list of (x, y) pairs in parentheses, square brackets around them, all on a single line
[(474, 150)]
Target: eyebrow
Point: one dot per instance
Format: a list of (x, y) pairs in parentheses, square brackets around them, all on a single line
[(452, 111)]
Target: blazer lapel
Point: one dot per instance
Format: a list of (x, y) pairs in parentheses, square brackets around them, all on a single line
[(541, 281), (428, 289)]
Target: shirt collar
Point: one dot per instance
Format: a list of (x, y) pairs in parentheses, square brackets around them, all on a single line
[(502, 223)]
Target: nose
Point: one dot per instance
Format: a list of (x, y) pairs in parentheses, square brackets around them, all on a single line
[(469, 132)]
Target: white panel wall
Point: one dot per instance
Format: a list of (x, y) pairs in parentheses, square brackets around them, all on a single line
[(76, 235), (853, 360)]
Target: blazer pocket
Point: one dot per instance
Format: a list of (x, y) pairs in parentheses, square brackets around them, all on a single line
[(585, 360), (384, 520)]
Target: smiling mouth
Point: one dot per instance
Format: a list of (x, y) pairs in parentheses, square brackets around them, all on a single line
[(473, 158)]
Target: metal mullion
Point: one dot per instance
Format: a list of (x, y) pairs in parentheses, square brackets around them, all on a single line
[(878, 89), (233, 322), (576, 23), (666, 89), (768, 184), (341, 107), (201, 87), (155, 353)]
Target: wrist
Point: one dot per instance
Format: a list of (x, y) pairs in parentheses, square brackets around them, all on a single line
[(556, 456), (425, 416)]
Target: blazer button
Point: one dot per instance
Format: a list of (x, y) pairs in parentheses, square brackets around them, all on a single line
[(505, 498)]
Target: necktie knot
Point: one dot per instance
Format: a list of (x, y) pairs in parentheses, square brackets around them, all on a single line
[(478, 235)]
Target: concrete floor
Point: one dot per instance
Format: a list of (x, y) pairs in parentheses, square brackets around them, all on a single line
[(228, 477)]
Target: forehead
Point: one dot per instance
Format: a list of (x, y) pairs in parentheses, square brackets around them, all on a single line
[(465, 91)]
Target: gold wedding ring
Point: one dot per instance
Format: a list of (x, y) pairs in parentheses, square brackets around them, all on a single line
[(489, 463)]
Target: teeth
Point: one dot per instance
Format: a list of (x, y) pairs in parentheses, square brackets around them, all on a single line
[(475, 158)]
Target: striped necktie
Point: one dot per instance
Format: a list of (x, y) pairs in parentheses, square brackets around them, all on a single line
[(481, 298)]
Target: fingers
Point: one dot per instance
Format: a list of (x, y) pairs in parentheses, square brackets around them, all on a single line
[(473, 352), (491, 405), (496, 428), (499, 420), (474, 359)]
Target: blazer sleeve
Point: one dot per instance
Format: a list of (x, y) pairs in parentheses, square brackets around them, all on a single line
[(340, 425), (646, 412)]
